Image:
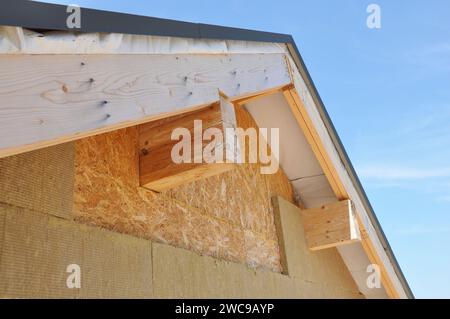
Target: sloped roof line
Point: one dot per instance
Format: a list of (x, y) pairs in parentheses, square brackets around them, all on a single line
[(45, 16)]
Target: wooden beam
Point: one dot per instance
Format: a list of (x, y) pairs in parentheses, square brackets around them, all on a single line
[(51, 99), (158, 170), (330, 225)]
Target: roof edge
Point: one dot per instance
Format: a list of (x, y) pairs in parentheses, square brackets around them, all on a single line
[(293, 50), (46, 16)]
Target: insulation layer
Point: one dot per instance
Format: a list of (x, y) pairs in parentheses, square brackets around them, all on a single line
[(41, 180), (37, 248), (182, 274), (228, 216)]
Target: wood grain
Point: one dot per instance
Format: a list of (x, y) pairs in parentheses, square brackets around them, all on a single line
[(157, 169), (330, 225), (50, 99)]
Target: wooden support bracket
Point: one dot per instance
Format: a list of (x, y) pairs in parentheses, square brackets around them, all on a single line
[(159, 142), (330, 225)]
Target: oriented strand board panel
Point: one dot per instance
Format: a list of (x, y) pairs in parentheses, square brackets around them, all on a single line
[(40, 180), (179, 273), (37, 248), (239, 227), (107, 194)]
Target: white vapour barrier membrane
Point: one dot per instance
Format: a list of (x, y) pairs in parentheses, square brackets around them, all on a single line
[(14, 40)]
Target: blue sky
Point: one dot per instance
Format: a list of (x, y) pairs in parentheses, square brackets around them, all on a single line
[(388, 94)]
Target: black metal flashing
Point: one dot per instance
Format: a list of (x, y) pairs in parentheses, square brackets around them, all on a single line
[(45, 16)]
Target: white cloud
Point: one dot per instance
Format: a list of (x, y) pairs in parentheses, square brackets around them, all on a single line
[(401, 173), (442, 48), (444, 199), (430, 181), (423, 230), (433, 57)]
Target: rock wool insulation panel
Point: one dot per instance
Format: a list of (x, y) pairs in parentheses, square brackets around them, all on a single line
[(37, 248), (178, 273), (41, 180)]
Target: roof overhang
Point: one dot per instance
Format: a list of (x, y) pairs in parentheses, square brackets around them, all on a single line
[(302, 96)]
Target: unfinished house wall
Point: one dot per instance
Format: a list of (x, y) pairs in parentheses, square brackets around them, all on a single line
[(197, 240)]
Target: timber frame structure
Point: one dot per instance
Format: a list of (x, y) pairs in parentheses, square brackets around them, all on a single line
[(258, 75)]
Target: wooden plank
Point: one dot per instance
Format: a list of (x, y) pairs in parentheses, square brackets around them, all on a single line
[(157, 169), (330, 225), (51, 99)]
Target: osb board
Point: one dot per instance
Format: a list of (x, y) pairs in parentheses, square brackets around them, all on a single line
[(179, 273), (228, 216), (37, 248), (41, 180), (243, 197)]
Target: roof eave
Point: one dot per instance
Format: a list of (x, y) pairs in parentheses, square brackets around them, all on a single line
[(45, 16)]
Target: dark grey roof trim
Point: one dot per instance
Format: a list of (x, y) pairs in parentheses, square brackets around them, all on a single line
[(45, 16)]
